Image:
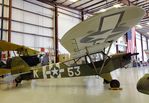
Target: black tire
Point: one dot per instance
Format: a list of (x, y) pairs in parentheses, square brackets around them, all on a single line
[(114, 84)]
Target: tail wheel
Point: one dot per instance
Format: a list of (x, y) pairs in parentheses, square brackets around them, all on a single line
[(114, 84)]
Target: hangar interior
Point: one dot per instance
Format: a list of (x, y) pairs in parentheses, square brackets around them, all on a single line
[(40, 24)]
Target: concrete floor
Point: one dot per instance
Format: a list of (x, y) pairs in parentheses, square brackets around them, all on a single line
[(77, 90)]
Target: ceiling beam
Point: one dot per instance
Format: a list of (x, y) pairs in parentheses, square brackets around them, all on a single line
[(126, 2), (146, 16), (73, 3), (97, 7), (93, 4), (63, 2), (84, 3), (58, 4), (140, 3), (147, 13), (144, 4), (100, 8), (144, 23)]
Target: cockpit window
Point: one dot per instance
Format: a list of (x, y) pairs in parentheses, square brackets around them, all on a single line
[(85, 59), (95, 57)]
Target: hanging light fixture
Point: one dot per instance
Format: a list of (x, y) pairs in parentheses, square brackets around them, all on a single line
[(102, 10), (73, 0), (117, 5)]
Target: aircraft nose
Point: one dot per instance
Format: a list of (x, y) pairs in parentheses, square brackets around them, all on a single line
[(143, 84)]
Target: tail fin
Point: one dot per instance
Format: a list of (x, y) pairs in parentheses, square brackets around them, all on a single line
[(18, 65)]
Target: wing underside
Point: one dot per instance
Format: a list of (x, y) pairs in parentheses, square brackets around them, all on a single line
[(97, 32)]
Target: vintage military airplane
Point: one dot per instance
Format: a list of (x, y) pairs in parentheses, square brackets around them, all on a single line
[(17, 64), (25, 66), (86, 43), (143, 83)]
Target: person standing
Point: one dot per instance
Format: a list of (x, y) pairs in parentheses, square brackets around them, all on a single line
[(45, 59)]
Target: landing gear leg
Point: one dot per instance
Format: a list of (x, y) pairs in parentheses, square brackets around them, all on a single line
[(18, 81), (105, 81), (17, 84)]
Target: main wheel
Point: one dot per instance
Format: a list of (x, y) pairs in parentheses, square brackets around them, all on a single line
[(114, 84)]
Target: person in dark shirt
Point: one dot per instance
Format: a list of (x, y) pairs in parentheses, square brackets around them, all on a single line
[(45, 59)]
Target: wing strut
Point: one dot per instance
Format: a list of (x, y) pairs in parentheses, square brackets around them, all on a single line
[(76, 60), (87, 52), (106, 57)]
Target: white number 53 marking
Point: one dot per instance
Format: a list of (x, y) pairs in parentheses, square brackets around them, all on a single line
[(74, 71)]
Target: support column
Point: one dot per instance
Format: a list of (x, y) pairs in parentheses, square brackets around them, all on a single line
[(56, 34), (9, 23), (2, 19), (142, 47), (136, 45), (82, 15), (147, 42), (126, 36), (9, 20), (117, 51)]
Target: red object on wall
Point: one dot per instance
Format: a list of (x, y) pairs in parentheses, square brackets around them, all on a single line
[(3, 55), (42, 49)]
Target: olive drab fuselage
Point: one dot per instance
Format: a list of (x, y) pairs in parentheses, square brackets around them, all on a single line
[(62, 70)]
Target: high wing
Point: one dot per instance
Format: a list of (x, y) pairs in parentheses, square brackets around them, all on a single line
[(6, 46), (98, 31)]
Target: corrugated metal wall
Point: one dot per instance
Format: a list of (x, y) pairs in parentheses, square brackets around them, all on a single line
[(33, 23), (65, 23), (5, 23)]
